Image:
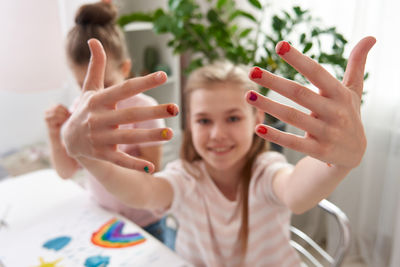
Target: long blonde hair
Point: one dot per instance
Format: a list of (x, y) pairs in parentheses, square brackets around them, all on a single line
[(221, 72)]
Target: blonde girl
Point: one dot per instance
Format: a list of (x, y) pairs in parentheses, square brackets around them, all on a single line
[(233, 200)]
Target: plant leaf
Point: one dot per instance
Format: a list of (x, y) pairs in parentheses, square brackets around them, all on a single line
[(221, 3), (212, 16), (302, 38), (299, 12), (245, 32), (174, 4), (255, 3), (307, 47), (242, 13), (278, 24)]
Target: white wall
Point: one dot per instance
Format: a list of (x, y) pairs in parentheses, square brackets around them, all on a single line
[(33, 71), (31, 49)]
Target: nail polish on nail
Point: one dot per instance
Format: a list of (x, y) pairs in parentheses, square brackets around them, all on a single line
[(262, 130), (253, 96), (171, 110), (284, 48), (146, 169), (164, 133), (256, 73), (329, 165), (159, 76)]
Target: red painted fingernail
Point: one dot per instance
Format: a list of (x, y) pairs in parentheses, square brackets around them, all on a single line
[(171, 109), (253, 96), (262, 130), (256, 73), (283, 48)]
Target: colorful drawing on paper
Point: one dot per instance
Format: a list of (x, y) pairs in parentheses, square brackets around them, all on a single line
[(110, 236), (57, 243), (48, 264), (97, 261)]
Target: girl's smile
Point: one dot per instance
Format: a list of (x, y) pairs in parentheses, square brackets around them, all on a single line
[(221, 150)]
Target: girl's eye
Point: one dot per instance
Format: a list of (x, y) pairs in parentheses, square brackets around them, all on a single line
[(233, 119), (203, 121)]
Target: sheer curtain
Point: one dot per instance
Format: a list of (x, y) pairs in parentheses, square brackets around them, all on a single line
[(370, 194)]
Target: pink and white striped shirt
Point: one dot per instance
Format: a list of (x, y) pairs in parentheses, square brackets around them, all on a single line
[(209, 223)]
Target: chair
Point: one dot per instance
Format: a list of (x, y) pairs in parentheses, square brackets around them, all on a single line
[(344, 238)]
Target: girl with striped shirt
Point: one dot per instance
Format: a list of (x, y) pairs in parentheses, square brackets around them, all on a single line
[(232, 197)]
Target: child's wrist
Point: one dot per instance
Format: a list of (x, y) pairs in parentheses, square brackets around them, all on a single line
[(54, 133)]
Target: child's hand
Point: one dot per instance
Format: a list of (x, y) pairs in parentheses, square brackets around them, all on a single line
[(92, 130), (55, 118), (334, 130)]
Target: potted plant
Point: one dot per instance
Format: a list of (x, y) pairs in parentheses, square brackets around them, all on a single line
[(219, 29)]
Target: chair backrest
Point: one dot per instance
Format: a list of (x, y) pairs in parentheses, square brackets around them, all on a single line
[(336, 259)]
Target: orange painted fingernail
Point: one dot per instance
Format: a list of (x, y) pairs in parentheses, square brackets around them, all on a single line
[(256, 73), (164, 134), (262, 130), (329, 165), (283, 48)]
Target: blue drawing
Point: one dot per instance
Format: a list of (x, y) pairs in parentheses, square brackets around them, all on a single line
[(97, 261), (57, 243)]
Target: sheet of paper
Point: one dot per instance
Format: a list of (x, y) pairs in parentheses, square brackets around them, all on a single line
[(61, 235)]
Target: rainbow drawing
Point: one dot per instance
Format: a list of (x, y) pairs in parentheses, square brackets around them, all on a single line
[(110, 236)]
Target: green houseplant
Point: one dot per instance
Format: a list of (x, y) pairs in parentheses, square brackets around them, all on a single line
[(219, 29)]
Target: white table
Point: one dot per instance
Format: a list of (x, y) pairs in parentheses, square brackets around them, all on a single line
[(40, 207)]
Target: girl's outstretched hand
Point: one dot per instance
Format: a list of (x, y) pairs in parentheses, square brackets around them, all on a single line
[(334, 130), (92, 130)]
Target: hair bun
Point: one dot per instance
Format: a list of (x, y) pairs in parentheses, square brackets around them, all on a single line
[(96, 14)]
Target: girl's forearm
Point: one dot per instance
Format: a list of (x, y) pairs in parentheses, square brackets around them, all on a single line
[(61, 161), (131, 187), (310, 182)]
